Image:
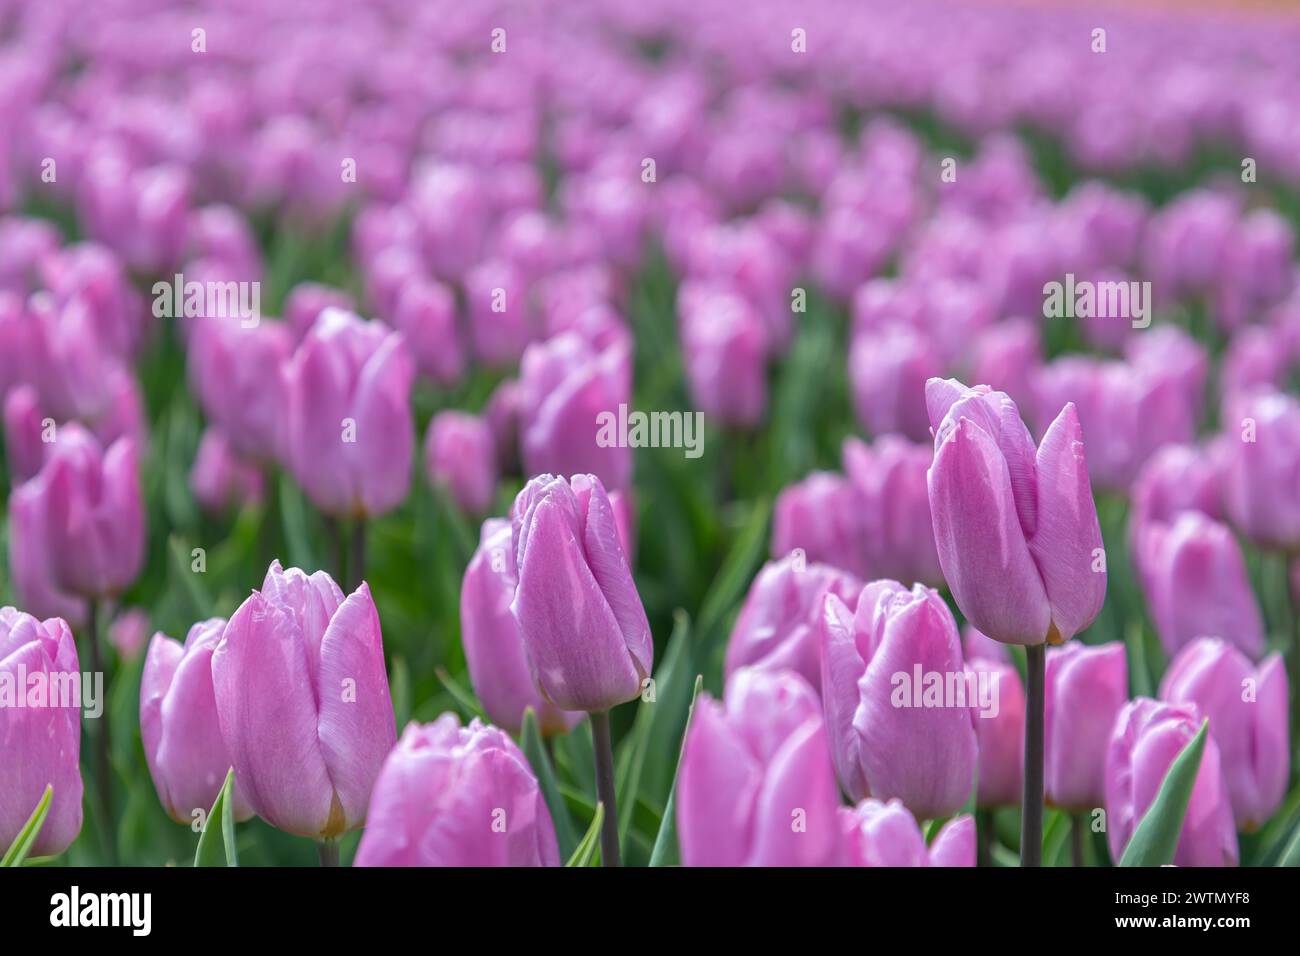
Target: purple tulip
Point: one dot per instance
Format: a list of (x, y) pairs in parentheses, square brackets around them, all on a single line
[(502, 414), (755, 786), (25, 430), (350, 430), (887, 672), (888, 370), (306, 301), (1177, 478), (425, 314), (1148, 736), (1016, 527), (80, 522), (42, 742), (494, 648), (567, 390), (187, 757), (999, 733), (820, 516), (1196, 584), (500, 323), (460, 454), (238, 376), (220, 477), (889, 484), (303, 704), (1247, 708), (776, 627), (129, 632), (583, 626), (886, 834), (1262, 475), (1085, 689), (725, 346), (457, 796)]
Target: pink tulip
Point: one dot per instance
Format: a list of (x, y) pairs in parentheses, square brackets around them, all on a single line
[(220, 478), (880, 833), (999, 735), (893, 503), (1086, 686), (1261, 480), (819, 515), (459, 454), (238, 376)]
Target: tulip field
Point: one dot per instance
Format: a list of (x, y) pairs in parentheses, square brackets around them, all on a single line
[(625, 433)]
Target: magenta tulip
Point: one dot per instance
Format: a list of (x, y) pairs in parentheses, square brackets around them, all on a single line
[(1262, 474), (1086, 687), (1247, 708), (457, 796), (187, 757), (755, 786), (425, 314), (303, 704), (893, 504), (999, 733), (897, 698), (238, 375), (888, 370), (350, 428), (725, 346), (886, 834), (460, 455), (42, 737), (820, 516), (1148, 737)]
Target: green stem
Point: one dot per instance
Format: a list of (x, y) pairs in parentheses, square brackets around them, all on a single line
[(609, 853), (1031, 817), (983, 837), (357, 554), (103, 739), (1076, 839), (328, 852)]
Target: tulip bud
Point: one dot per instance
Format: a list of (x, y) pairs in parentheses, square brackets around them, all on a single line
[(219, 477), (350, 430), (187, 757), (1015, 527), (238, 375), (457, 796), (820, 515), (584, 629), (1148, 736), (776, 627), (494, 649), (24, 448), (425, 314), (42, 744), (303, 704), (725, 346), (460, 454), (898, 699), (886, 834), (893, 502), (566, 390), (1247, 708), (999, 721), (1262, 476), (1196, 584), (1085, 688), (888, 369), (755, 786), (306, 301), (83, 518)]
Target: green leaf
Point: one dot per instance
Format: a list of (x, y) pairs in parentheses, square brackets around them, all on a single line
[(26, 837), (737, 568), (216, 842), (531, 743), (1291, 855), (666, 852), (464, 699), (586, 851), (1156, 836)]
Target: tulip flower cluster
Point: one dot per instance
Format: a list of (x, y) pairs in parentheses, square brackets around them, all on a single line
[(762, 435)]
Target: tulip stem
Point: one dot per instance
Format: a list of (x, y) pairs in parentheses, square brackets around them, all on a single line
[(983, 837), (103, 740), (328, 852), (357, 554), (605, 787), (1031, 815), (1076, 839)]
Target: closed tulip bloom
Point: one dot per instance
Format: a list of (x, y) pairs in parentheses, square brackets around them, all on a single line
[(820, 516), (1262, 474), (303, 704), (725, 346), (187, 757), (880, 833), (1177, 478), (24, 431), (351, 434), (1086, 686), (496, 297), (1148, 736), (494, 648), (569, 397), (999, 732), (891, 735), (42, 744), (1196, 585), (893, 505), (625, 519), (83, 518), (306, 301), (584, 629), (425, 314), (459, 454), (888, 370), (755, 786), (237, 375), (777, 625), (1016, 527), (1247, 708), (219, 477), (457, 796)]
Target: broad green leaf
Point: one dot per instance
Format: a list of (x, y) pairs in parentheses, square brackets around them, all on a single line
[(217, 841), (666, 851), (534, 748), (22, 845), (585, 854), (1156, 836), (1291, 855)]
